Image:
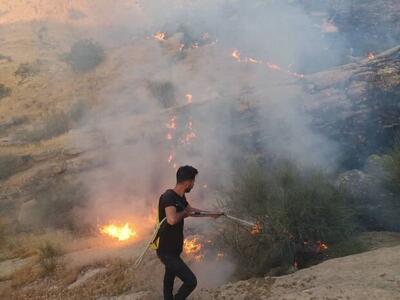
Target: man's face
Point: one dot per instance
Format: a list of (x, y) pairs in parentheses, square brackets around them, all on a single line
[(189, 185)]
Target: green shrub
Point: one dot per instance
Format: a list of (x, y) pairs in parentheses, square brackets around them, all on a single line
[(4, 91), (85, 55), (292, 206), (53, 125)]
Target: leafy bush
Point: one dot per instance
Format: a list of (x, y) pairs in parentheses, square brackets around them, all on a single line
[(4, 91), (292, 207), (85, 55), (53, 125)]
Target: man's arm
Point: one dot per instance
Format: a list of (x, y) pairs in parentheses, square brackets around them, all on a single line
[(174, 217)]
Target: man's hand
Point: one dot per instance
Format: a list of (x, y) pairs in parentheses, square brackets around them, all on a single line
[(211, 214), (216, 215), (186, 212)]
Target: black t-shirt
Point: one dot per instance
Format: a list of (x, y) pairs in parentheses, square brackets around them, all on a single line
[(171, 236)]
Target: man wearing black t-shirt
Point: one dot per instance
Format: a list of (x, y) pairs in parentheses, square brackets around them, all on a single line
[(175, 208)]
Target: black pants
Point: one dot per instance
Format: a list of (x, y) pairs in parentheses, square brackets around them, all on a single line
[(175, 267)]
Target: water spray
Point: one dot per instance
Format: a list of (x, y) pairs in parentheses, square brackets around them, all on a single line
[(232, 218)]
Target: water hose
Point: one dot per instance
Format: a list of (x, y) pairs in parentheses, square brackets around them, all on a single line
[(153, 237)]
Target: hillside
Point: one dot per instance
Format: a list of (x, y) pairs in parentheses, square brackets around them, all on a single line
[(101, 101), (370, 275)]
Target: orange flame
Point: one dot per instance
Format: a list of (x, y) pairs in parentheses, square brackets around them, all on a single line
[(371, 55), (170, 158), (171, 123), (256, 229), (193, 248), (121, 233), (189, 98), (322, 246), (236, 55), (160, 36)]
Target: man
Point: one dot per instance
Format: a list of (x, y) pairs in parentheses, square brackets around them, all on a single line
[(175, 208)]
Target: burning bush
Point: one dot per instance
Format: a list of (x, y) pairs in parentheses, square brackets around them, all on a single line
[(298, 213), (85, 55)]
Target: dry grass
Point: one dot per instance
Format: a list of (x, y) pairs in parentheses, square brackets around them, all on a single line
[(49, 256), (27, 245), (118, 278)]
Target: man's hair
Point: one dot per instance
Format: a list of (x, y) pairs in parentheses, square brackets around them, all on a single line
[(186, 173)]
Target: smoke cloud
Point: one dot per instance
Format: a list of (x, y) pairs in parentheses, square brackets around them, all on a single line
[(181, 97)]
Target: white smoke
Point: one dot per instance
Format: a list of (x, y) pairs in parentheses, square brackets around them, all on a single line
[(235, 105)]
